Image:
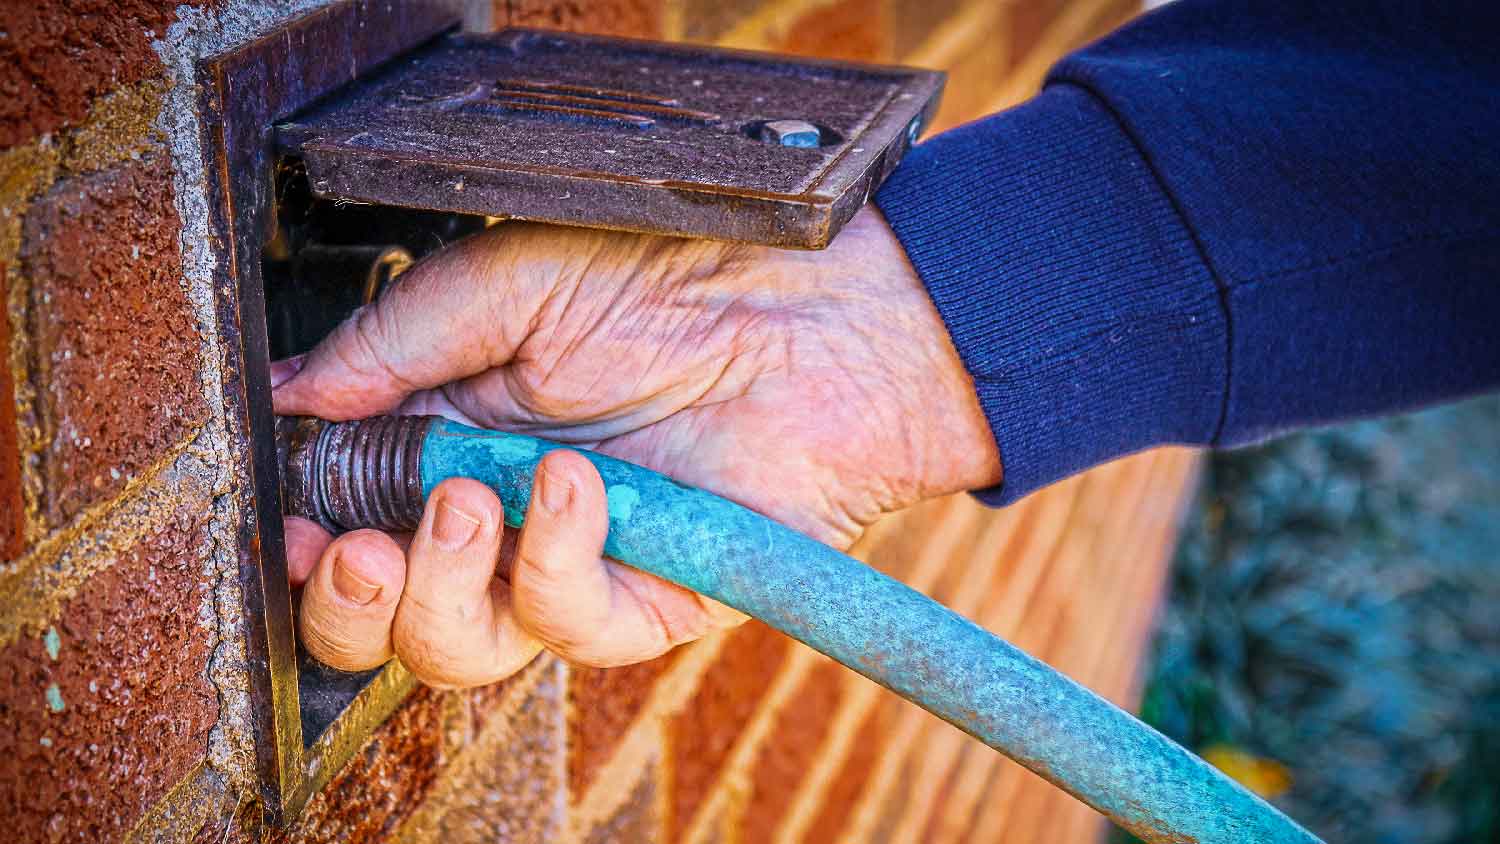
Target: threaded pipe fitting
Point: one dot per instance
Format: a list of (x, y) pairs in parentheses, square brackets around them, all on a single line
[(349, 475)]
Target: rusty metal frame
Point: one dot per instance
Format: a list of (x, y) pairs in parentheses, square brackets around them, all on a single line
[(502, 103), (242, 94)]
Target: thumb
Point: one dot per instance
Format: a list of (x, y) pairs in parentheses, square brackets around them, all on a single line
[(451, 316)]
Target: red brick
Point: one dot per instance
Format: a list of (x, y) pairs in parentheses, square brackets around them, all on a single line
[(849, 784), (939, 826), (701, 736), (495, 700), (631, 18), (890, 812), (913, 22), (59, 54), (974, 80), (12, 508), (602, 703), (116, 360), (637, 821), (406, 778), (507, 787), (111, 706), (1028, 21), (795, 741), (856, 30), (381, 785)]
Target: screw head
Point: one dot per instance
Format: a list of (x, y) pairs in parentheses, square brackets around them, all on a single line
[(792, 133)]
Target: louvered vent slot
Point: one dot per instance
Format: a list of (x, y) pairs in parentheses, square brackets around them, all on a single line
[(608, 105)]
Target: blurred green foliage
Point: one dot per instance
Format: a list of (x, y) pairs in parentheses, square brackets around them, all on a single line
[(1335, 607)]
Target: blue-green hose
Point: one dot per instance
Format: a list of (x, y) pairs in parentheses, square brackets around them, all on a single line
[(892, 634)]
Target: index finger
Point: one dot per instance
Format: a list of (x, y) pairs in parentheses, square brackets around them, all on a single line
[(454, 314)]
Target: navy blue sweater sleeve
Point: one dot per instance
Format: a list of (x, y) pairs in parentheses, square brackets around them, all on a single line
[(1229, 219)]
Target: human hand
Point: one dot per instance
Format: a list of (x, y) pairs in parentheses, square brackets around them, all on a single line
[(818, 388)]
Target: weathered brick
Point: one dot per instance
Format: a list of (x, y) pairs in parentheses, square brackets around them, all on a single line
[(1031, 20), (602, 703), (119, 125), (1028, 21), (974, 80), (849, 784), (794, 743), (381, 785), (110, 707), (12, 508), (700, 737), (200, 800), (116, 346), (498, 700), (238, 825), (889, 812), (913, 22), (59, 54), (938, 826), (631, 18), (856, 30), (638, 820), (506, 785)]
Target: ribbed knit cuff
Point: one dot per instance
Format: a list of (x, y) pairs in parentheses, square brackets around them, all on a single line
[(1072, 289)]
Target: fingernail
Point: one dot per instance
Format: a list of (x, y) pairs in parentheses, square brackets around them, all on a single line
[(557, 492), (351, 587), (282, 371), (452, 527)]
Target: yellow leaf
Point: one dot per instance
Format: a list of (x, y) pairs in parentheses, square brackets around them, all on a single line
[(1266, 777)]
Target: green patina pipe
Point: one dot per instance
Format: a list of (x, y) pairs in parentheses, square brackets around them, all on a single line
[(835, 604)]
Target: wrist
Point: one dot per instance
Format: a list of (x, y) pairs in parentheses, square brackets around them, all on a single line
[(964, 455), (949, 444), (959, 452)]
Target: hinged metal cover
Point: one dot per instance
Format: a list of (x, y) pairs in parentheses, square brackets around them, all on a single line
[(619, 134)]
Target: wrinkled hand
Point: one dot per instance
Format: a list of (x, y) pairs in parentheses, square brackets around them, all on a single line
[(818, 388)]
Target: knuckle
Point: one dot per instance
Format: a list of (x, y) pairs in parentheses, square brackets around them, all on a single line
[(365, 345), (565, 638), (334, 644), (681, 628), (674, 622), (544, 587), (553, 611), (434, 649), (575, 634), (433, 664), (538, 394)]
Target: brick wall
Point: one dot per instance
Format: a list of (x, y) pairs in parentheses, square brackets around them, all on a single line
[(122, 683)]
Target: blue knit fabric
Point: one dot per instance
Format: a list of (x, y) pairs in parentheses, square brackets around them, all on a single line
[(1229, 219)]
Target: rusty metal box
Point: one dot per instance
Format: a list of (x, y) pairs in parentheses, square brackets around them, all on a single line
[(617, 134)]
